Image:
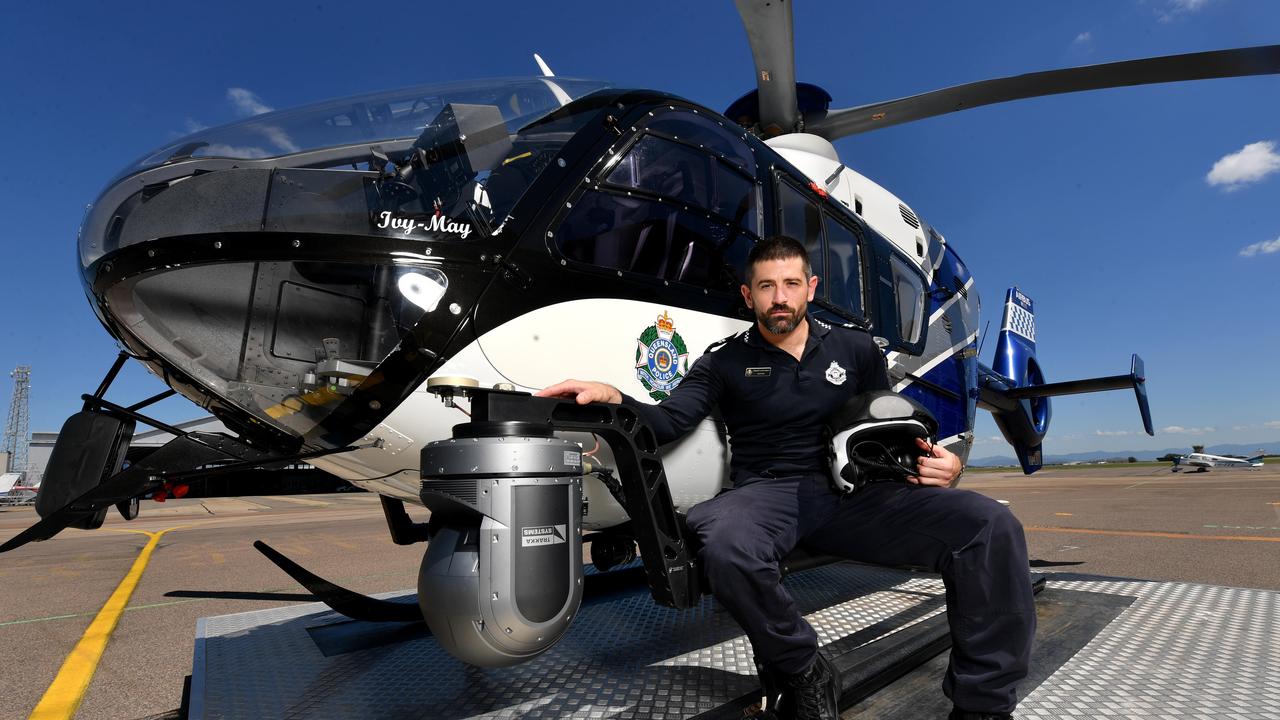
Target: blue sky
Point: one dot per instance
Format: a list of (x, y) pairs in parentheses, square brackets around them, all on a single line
[(1100, 206)]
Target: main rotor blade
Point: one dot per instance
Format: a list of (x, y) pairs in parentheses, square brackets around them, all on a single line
[(773, 47), (1262, 60)]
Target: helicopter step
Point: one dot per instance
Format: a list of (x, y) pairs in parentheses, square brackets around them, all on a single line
[(1102, 646)]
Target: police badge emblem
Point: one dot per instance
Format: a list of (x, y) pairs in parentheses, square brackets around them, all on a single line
[(662, 359), (835, 374)]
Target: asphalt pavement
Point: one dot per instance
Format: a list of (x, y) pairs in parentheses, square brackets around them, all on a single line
[(1219, 528)]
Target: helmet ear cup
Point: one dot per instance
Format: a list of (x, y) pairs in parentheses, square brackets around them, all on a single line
[(851, 475)]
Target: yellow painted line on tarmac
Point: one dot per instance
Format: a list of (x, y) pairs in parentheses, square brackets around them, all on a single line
[(1063, 514), (1141, 533), (63, 697), (301, 501)]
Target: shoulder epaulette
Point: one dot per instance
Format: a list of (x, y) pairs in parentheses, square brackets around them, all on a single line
[(722, 341)]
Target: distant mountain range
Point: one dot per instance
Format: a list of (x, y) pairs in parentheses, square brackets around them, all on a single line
[(1246, 450)]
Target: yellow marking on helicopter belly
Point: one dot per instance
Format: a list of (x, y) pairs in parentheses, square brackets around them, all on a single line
[(321, 396), (1148, 534), (68, 688)]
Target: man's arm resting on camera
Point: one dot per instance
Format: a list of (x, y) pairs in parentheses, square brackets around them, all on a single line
[(670, 419)]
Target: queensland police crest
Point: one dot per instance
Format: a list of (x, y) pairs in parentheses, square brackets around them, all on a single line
[(662, 359)]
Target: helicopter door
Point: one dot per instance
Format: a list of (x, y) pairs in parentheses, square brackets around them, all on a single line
[(671, 219)]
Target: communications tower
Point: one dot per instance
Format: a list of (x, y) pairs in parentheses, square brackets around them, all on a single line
[(17, 436)]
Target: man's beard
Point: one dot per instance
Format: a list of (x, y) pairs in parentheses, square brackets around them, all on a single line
[(781, 324)]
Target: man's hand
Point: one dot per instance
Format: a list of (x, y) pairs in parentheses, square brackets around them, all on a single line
[(939, 466), (584, 391)]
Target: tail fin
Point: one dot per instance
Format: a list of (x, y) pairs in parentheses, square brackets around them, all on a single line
[(1016, 360)]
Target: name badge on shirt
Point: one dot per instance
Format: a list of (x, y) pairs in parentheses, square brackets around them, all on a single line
[(759, 372)]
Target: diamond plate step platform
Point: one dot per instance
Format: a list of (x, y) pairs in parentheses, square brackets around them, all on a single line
[(1105, 648)]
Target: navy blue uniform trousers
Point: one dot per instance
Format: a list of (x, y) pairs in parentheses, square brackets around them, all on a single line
[(974, 542)]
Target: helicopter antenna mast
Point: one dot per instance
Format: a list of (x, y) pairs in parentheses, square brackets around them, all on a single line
[(16, 432)]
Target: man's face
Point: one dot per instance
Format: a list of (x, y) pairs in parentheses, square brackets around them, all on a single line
[(779, 293)]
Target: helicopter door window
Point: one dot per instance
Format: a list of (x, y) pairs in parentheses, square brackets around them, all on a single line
[(844, 267), (801, 219), (612, 230), (908, 290)]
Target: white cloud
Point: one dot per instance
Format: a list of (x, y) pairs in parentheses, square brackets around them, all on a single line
[(193, 126), (231, 151), (1174, 8), (1266, 247), (1112, 433), (1272, 424), (1083, 38), (279, 138), (247, 102), (1179, 430), (1252, 163)]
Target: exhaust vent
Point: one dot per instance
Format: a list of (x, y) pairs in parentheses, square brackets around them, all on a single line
[(909, 217)]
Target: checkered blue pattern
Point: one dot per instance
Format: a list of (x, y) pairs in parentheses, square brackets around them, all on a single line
[(1020, 322)]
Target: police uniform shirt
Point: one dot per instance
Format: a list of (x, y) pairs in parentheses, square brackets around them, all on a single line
[(774, 406)]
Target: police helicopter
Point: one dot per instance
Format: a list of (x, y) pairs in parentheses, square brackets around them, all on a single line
[(346, 282)]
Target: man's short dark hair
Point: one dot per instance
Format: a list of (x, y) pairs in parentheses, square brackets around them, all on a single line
[(777, 247)]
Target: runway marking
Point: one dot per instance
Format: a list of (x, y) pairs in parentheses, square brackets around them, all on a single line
[(1063, 514), (302, 501), (63, 697), (1142, 533)]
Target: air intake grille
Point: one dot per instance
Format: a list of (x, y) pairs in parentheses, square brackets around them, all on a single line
[(909, 217), (464, 490)]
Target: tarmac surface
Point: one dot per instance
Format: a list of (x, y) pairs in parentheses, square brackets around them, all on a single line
[(1218, 528)]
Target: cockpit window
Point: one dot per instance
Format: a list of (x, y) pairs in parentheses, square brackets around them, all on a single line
[(704, 133), (688, 177)]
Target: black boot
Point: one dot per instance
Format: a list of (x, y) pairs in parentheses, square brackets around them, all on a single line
[(772, 690), (958, 714), (813, 694)]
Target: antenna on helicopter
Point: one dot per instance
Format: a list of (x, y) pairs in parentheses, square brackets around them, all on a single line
[(542, 65)]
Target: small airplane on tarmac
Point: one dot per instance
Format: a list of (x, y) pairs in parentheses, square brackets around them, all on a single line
[(1202, 461), (338, 282)]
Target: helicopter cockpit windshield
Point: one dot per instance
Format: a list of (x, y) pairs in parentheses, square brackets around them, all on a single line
[(463, 131), (276, 263)]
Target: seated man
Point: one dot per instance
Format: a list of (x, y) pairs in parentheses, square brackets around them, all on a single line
[(776, 384)]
